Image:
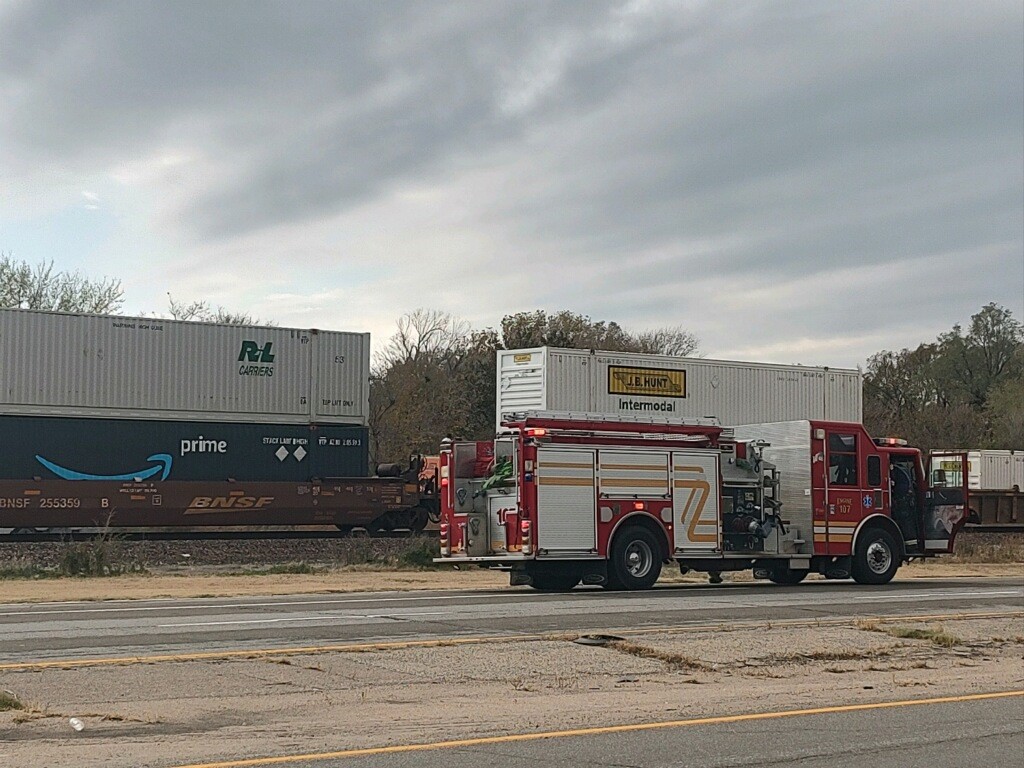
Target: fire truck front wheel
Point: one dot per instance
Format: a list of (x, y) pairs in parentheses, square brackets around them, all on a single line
[(635, 561), (876, 557)]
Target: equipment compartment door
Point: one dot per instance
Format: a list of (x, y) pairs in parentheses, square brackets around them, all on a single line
[(695, 502), (566, 501)]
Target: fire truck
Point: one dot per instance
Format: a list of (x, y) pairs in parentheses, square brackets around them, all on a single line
[(560, 498)]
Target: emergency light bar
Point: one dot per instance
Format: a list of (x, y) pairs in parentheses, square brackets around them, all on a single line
[(890, 441)]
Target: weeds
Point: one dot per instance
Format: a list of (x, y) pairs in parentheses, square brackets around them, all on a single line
[(420, 555), (671, 658), (103, 555), (937, 636), (9, 701), (989, 548), (20, 568)]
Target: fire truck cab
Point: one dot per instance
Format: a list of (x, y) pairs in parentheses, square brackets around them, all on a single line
[(560, 498)]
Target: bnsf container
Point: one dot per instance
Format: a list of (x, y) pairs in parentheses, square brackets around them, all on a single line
[(618, 383), (58, 364), (53, 448)]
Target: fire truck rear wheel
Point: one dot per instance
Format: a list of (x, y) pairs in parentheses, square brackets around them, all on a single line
[(876, 557), (555, 577), (787, 576), (635, 561)]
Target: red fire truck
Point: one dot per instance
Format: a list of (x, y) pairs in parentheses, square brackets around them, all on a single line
[(559, 499)]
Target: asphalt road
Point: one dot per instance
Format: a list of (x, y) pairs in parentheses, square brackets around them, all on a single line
[(986, 733), (146, 627)]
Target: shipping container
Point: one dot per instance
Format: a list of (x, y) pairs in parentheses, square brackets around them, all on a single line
[(53, 448), (989, 470), (575, 380), (60, 364)]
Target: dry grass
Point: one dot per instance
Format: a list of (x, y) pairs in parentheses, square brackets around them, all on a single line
[(9, 701), (677, 660), (989, 548), (936, 636)]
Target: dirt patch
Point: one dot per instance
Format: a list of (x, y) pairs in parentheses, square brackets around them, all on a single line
[(171, 714), (203, 582)]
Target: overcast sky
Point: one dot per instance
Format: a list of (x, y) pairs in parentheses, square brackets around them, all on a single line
[(794, 182)]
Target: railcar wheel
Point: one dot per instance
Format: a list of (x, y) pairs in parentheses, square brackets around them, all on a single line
[(876, 557), (635, 559)]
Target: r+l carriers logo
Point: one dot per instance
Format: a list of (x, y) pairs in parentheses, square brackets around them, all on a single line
[(256, 360)]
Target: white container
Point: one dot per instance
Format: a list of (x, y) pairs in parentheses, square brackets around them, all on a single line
[(618, 383), (992, 470), (60, 364)]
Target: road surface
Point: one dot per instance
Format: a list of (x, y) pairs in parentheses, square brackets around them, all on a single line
[(972, 732), (132, 628)]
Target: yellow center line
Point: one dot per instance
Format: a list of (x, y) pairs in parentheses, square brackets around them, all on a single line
[(256, 653), (597, 731)]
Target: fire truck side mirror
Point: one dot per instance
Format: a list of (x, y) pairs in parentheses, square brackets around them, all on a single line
[(938, 478)]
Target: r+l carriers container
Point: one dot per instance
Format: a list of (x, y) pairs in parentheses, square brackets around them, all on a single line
[(68, 365), (628, 384)]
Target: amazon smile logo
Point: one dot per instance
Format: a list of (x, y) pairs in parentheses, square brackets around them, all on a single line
[(161, 466)]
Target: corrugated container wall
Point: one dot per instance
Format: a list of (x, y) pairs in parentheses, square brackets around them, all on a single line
[(995, 470), (57, 364), (551, 379)]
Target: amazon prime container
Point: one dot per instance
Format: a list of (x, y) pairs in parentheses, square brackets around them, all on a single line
[(127, 449), (58, 364), (620, 383)]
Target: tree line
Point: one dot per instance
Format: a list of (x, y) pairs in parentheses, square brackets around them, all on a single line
[(436, 376), (965, 389)]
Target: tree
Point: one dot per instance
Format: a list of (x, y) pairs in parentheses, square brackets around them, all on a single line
[(44, 287), (1004, 410), (989, 352), (575, 331), (416, 395), (962, 390), (201, 311)]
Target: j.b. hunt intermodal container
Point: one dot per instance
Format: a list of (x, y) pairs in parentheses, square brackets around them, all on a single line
[(72, 365), (618, 383)]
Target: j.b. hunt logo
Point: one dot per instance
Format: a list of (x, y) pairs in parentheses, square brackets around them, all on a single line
[(263, 357)]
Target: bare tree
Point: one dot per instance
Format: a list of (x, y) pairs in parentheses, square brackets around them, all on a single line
[(426, 336), (675, 341), (202, 311), (44, 287)]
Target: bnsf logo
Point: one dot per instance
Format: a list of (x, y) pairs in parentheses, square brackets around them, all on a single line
[(200, 504), (251, 352)]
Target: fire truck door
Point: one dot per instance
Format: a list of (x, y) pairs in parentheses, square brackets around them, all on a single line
[(695, 502), (566, 501), (945, 508), (845, 494)]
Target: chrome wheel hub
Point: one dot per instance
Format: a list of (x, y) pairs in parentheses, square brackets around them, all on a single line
[(879, 557), (639, 559)]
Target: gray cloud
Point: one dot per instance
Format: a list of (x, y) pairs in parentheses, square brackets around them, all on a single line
[(698, 150)]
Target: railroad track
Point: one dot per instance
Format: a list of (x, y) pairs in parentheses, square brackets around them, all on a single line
[(88, 535), (28, 538)]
